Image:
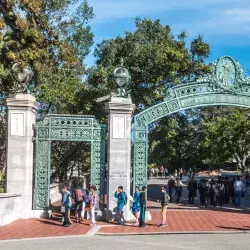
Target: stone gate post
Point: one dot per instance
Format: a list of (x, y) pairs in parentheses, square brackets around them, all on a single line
[(120, 112), (21, 118)]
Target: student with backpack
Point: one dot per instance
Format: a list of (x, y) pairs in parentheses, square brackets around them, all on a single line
[(121, 197), (77, 195), (164, 205)]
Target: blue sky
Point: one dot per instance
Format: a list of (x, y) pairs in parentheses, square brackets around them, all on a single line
[(224, 24)]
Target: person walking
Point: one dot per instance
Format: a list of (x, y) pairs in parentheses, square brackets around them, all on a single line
[(65, 206), (143, 206), (121, 202), (231, 190), (192, 189), (171, 183), (201, 187), (238, 187), (85, 200), (181, 173), (164, 205), (226, 192), (136, 205), (92, 198), (77, 195), (178, 190), (221, 188), (157, 172), (207, 193), (166, 173)]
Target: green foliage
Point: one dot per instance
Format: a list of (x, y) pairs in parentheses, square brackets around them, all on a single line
[(176, 141), (53, 38), (228, 138), (154, 57)]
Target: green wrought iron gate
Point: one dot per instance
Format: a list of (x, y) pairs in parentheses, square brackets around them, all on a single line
[(66, 128), (225, 85)]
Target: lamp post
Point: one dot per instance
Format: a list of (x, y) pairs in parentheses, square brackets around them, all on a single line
[(122, 79)]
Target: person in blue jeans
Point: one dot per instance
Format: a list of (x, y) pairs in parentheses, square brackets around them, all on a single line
[(121, 202), (238, 188), (65, 206)]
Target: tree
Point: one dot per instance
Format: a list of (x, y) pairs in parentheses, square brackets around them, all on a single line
[(53, 38), (228, 138), (155, 58), (176, 141)]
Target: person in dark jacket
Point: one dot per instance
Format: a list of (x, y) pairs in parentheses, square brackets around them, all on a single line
[(212, 183), (171, 183), (143, 206), (201, 188), (231, 190), (221, 189), (226, 192), (164, 205), (207, 193), (192, 189)]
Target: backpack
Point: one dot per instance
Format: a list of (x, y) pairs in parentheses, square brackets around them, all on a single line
[(126, 198), (166, 199), (79, 195)]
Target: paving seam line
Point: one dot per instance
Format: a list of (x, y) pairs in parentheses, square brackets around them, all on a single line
[(170, 233), (45, 238)]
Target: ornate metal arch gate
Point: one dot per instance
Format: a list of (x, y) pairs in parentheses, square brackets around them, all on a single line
[(225, 85), (66, 128)]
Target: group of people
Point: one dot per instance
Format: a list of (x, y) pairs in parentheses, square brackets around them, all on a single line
[(139, 205), (216, 193), (163, 172), (76, 200), (158, 172)]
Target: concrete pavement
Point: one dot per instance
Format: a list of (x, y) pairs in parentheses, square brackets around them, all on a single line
[(172, 242)]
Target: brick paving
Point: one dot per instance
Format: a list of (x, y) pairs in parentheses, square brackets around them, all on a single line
[(177, 221), (188, 221)]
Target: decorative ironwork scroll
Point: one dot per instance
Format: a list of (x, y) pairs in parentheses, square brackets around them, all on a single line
[(224, 85), (67, 128)]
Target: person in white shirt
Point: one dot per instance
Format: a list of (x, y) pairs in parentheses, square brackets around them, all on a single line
[(238, 188)]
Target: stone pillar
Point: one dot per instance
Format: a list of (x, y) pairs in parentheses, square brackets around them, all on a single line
[(21, 118), (119, 149)]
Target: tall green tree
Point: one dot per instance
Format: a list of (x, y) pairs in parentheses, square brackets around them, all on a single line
[(155, 59), (227, 138), (53, 37)]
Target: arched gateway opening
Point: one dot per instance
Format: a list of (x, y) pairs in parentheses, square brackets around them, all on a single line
[(225, 85)]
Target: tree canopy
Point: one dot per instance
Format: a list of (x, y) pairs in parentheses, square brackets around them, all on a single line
[(155, 59), (53, 37)]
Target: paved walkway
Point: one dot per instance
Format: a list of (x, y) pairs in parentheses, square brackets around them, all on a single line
[(180, 219)]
